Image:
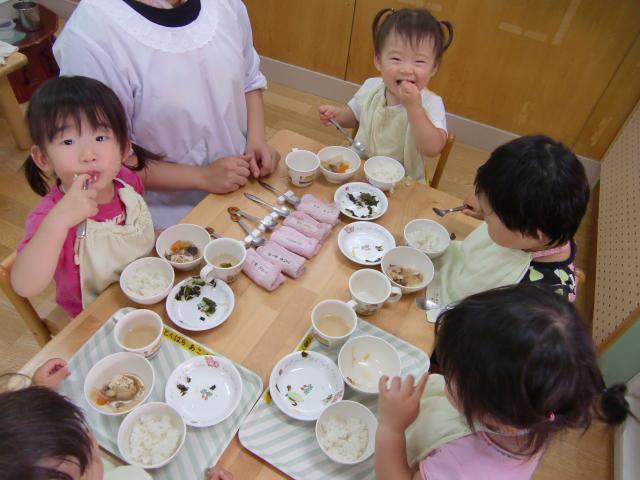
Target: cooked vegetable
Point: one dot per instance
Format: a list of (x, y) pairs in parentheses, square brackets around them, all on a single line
[(207, 306)]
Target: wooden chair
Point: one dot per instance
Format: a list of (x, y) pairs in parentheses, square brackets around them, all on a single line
[(442, 161), (9, 108), (23, 306)]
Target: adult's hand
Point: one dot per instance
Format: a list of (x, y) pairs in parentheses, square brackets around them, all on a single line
[(227, 174), (265, 158)]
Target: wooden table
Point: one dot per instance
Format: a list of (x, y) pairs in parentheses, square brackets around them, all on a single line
[(9, 108), (266, 326)]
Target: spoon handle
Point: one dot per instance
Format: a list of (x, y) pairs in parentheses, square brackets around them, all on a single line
[(81, 231), (256, 199), (344, 132)]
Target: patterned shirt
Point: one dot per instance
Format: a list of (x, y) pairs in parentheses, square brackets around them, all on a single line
[(560, 276)]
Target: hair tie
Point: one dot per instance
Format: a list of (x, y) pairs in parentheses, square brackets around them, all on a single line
[(552, 417)]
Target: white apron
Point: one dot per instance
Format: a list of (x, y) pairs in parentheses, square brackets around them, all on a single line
[(107, 248), (385, 131), (474, 265)]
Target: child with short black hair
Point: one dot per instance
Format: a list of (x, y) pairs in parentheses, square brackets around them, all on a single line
[(398, 117), (533, 193), (518, 367), (79, 130)]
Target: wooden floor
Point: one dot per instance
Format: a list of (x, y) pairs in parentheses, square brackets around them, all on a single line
[(574, 456)]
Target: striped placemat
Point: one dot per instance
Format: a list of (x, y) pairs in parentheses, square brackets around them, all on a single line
[(203, 446), (291, 446)]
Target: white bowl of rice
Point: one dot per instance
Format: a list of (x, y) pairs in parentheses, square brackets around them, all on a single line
[(151, 435), (427, 236), (383, 172), (346, 432), (147, 280)]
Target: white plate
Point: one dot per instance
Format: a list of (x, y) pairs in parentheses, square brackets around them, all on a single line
[(205, 390), (351, 210), (185, 314), (365, 243), (303, 384)]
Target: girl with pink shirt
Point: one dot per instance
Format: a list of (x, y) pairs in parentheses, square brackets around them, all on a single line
[(92, 220), (517, 367)]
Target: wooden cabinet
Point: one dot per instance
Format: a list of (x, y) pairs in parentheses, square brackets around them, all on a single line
[(567, 68), (312, 33)]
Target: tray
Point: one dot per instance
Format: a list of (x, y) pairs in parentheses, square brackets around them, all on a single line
[(291, 445), (203, 446)]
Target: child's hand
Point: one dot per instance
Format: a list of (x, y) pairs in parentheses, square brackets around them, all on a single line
[(217, 473), (473, 208), (327, 112), (264, 158), (399, 404), (77, 204), (408, 94), (227, 174), (51, 373)]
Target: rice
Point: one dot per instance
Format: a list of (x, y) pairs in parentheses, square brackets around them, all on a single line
[(153, 440), (346, 440), (384, 172), (146, 284), (429, 241)]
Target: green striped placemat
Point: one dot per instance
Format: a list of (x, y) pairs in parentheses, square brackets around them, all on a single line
[(291, 446), (203, 446)]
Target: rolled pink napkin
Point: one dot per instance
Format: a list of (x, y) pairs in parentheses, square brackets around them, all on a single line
[(296, 242), (292, 264), (307, 225), (264, 273), (322, 212)]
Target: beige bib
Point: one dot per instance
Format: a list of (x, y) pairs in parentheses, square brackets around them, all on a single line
[(474, 265), (385, 131), (438, 422), (107, 248)]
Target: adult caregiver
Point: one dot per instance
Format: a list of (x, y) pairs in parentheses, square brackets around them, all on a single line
[(189, 79)]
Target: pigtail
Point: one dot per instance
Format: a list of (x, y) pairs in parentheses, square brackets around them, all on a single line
[(377, 19), (612, 407), (143, 157), (446, 25), (37, 179)]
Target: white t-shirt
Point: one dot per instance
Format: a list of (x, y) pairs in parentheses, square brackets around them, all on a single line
[(183, 88), (432, 103)]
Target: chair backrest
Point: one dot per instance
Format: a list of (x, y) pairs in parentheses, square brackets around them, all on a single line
[(23, 306), (442, 161)]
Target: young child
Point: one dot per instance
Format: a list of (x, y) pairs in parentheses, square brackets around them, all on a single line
[(518, 367), (398, 116), (80, 138), (44, 435), (533, 193)]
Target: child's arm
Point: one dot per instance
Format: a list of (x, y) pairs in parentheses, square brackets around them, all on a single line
[(429, 139), (473, 207), (35, 265), (398, 407), (343, 115), (265, 158)]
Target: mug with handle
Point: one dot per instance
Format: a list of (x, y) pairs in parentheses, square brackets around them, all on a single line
[(370, 290)]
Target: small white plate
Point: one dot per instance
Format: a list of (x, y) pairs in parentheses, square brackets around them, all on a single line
[(344, 197), (365, 243), (205, 390), (303, 384), (185, 313)]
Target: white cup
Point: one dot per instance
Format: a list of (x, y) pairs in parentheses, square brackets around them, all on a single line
[(370, 290), (139, 331), (220, 247), (303, 166), (331, 309)]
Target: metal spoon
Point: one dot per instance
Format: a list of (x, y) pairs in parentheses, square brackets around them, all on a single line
[(248, 241), (81, 231), (357, 145), (287, 196), (424, 304), (264, 224), (441, 213), (254, 237), (282, 211), (212, 233)]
